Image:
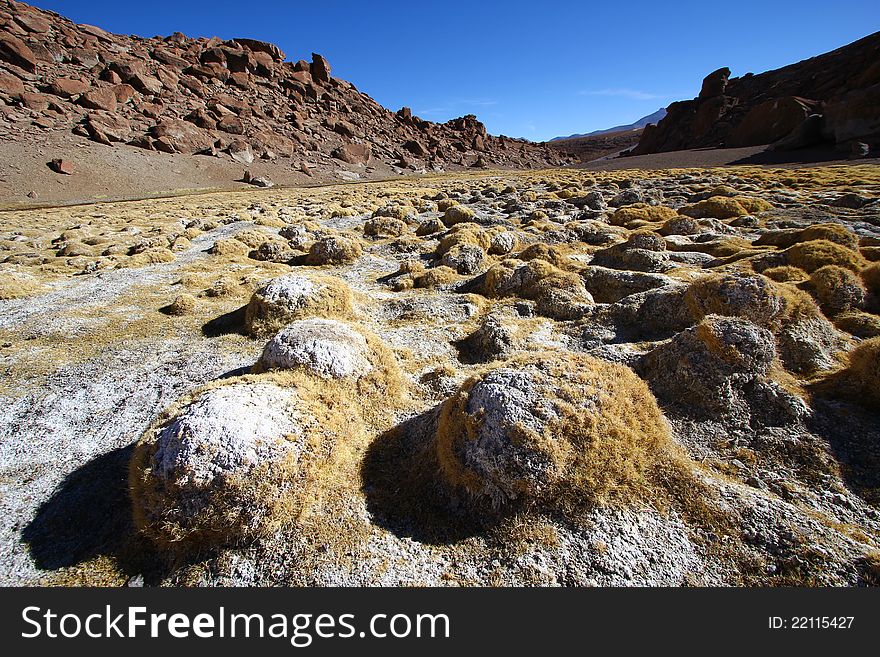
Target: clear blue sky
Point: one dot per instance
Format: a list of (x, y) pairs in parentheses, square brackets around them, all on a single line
[(535, 69)]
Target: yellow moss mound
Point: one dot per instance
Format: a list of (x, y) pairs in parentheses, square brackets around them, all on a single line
[(753, 205), (233, 462), (831, 232), (382, 226), (151, 257), (786, 274), (871, 277), (435, 277), (457, 214), (334, 250), (184, 304), (556, 255), (815, 254), (464, 234), (753, 297), (837, 289), (716, 207), (229, 247), (557, 427), (641, 212), (379, 387), (858, 323)]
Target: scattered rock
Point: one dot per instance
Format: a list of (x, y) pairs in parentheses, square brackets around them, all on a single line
[(59, 165)]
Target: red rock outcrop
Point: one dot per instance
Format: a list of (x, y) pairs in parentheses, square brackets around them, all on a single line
[(842, 86)]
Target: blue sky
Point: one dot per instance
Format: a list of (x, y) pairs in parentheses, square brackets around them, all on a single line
[(527, 69)]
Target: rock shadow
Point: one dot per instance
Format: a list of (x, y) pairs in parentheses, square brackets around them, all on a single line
[(89, 515), (852, 434), (226, 324), (405, 492)]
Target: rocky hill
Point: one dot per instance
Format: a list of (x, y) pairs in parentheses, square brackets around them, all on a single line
[(239, 98), (833, 98)]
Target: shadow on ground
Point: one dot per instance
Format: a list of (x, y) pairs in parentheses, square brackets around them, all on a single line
[(853, 435), (87, 516), (229, 323), (405, 493), (805, 156)]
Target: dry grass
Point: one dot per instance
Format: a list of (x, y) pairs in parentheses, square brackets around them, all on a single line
[(786, 274), (13, 286)]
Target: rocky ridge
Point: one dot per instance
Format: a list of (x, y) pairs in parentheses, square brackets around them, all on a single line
[(238, 99)]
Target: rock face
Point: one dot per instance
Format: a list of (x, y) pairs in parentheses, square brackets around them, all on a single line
[(842, 87), (238, 97)]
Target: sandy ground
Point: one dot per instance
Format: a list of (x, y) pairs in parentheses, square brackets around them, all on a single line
[(114, 173)]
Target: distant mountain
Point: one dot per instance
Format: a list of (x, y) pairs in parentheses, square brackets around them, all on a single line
[(641, 123)]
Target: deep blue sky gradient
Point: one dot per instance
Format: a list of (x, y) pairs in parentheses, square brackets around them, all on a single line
[(526, 68)]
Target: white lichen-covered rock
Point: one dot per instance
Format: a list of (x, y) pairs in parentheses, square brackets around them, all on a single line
[(220, 467), (287, 298), (719, 369), (327, 348), (503, 243), (226, 432), (548, 426), (810, 345)]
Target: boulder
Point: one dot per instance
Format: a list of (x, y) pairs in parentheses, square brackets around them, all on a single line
[(61, 166), (67, 87), (326, 348), (353, 153), (103, 98), (319, 68), (261, 46), (16, 52), (11, 85)]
